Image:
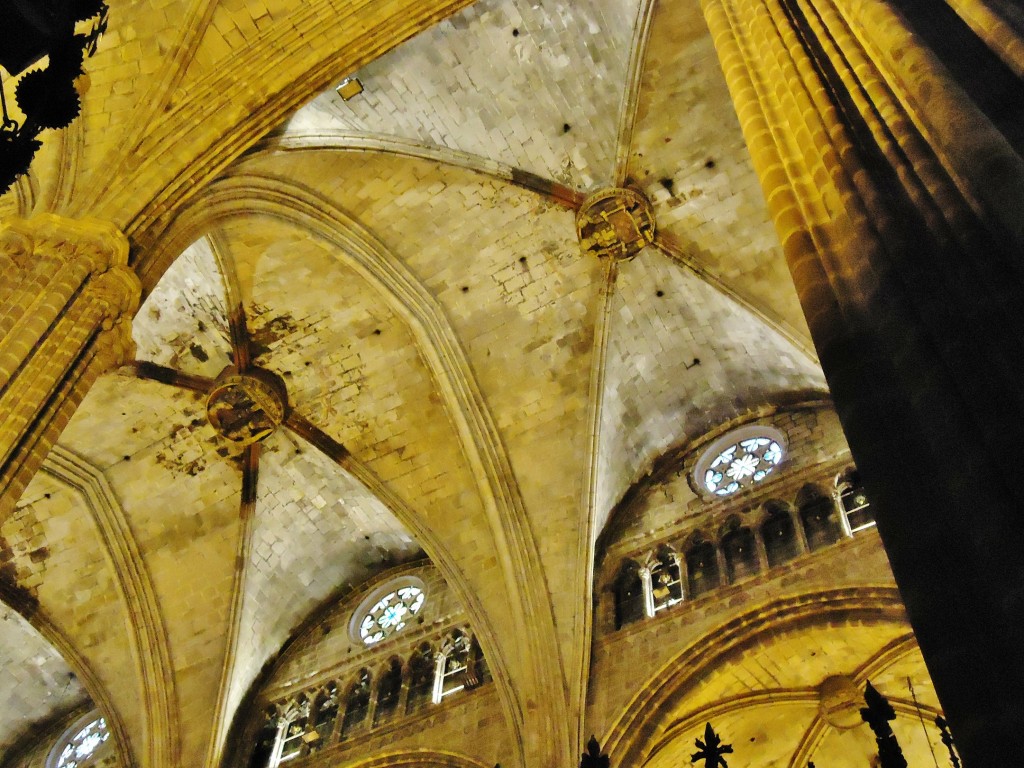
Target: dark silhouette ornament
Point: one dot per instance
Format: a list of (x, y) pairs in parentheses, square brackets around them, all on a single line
[(947, 740), (593, 758), (877, 714), (47, 96), (711, 749), (16, 152)]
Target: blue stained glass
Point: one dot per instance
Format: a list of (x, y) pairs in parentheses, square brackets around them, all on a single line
[(725, 456), (745, 462), (712, 479), (388, 615), (84, 744)]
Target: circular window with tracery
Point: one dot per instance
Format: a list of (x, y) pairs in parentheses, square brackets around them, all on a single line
[(83, 745), (739, 459), (388, 609)]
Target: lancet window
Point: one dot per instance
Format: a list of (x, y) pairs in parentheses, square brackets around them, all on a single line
[(325, 713), (819, 517), (389, 691), (702, 567), (647, 584), (630, 597), (666, 581), (295, 727), (478, 672), (357, 704), (327, 695), (421, 677), (854, 502), (778, 531), (452, 663), (740, 550)]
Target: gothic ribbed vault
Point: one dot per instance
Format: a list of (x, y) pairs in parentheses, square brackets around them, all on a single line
[(461, 380)]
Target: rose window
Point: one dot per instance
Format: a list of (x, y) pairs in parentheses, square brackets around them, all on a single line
[(739, 459), (390, 614), (78, 751)]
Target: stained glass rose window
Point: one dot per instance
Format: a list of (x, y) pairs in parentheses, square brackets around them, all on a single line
[(83, 745), (390, 613), (739, 459)]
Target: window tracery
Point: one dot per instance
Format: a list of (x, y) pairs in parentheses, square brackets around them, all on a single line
[(854, 502), (452, 663), (295, 727), (357, 704), (390, 613), (739, 459), (702, 566), (778, 533), (326, 712), (740, 550), (819, 517), (666, 581), (389, 690), (321, 716), (81, 748), (421, 677), (629, 595)]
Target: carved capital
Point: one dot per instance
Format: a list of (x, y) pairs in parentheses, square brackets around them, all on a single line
[(100, 244), (16, 248), (118, 343), (118, 290)]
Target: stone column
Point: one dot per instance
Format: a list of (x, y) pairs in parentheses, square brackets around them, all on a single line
[(897, 188), (67, 298)]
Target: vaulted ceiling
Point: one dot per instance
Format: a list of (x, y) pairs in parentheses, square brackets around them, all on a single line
[(461, 380)]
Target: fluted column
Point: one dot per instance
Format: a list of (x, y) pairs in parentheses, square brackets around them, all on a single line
[(67, 298), (897, 192)]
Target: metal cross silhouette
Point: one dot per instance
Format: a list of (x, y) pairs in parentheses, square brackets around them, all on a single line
[(711, 749)]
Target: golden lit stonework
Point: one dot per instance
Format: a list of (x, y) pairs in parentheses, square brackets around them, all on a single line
[(246, 407), (615, 223), (839, 702)]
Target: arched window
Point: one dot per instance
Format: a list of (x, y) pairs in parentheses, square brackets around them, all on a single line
[(739, 459), (477, 673), (325, 712), (85, 743), (629, 595), (666, 581), (702, 567), (819, 518), (450, 675), (387, 609), (854, 502), (357, 704), (740, 551), (292, 737), (421, 677), (389, 689), (779, 533)]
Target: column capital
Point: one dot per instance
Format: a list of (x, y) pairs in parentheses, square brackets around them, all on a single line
[(66, 306), (99, 243)]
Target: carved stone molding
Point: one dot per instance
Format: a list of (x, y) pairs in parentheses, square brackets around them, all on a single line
[(66, 305), (615, 223)]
